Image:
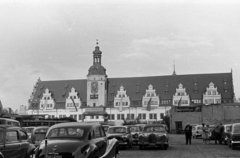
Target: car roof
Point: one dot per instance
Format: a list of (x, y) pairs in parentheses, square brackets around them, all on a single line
[(118, 126), (9, 127), (151, 125), (75, 124)]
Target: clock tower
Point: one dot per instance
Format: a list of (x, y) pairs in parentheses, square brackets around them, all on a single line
[(96, 81)]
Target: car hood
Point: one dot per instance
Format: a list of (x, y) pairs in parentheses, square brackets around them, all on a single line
[(71, 146), (115, 135)]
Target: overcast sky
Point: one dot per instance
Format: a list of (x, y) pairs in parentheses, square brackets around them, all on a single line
[(54, 40)]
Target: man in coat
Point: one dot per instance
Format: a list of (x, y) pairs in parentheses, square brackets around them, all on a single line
[(188, 133)]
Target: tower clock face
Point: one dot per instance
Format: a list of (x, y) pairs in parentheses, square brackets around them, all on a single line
[(94, 86)]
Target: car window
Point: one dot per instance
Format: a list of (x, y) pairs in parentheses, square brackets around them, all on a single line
[(23, 135), (102, 132), (97, 133), (134, 129), (154, 129), (236, 129), (11, 137), (117, 130), (66, 132), (40, 134), (1, 137), (29, 130)]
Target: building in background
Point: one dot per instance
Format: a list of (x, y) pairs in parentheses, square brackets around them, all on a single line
[(22, 110), (146, 98)]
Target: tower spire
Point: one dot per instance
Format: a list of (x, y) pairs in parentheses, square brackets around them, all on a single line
[(174, 72)]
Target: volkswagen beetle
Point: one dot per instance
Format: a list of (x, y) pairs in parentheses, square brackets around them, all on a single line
[(122, 134), (77, 140), (154, 135)]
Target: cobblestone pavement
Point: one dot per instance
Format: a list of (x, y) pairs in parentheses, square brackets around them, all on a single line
[(178, 149)]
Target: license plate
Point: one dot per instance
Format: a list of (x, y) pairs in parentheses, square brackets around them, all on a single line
[(54, 156)]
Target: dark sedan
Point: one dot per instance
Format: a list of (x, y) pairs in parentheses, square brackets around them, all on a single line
[(234, 135), (122, 134), (13, 142), (154, 135), (37, 135), (77, 140)]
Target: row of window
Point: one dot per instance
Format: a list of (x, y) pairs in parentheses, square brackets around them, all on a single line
[(182, 102), (141, 116), (123, 103), (152, 102), (72, 105), (48, 105)]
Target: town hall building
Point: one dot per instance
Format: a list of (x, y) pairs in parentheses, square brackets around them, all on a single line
[(148, 97)]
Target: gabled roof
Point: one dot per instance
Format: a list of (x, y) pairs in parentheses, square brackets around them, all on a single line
[(136, 86)]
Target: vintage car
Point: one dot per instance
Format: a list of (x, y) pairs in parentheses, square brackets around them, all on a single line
[(197, 131), (154, 135), (226, 132), (77, 140), (105, 127), (13, 142), (38, 134), (234, 135), (135, 131), (122, 134), (29, 130)]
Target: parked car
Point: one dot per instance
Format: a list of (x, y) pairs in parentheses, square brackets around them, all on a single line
[(234, 135), (122, 134), (154, 135), (135, 131), (197, 131), (77, 139), (226, 132), (13, 142), (29, 130), (38, 134), (6, 121), (105, 127)]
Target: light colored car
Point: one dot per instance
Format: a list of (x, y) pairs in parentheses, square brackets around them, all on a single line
[(197, 131), (226, 132)]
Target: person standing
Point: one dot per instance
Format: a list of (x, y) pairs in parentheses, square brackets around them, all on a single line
[(204, 133), (188, 133), (217, 134)]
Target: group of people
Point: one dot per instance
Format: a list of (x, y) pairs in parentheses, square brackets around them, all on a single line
[(206, 133)]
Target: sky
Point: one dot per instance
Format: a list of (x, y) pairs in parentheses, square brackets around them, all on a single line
[(54, 40)]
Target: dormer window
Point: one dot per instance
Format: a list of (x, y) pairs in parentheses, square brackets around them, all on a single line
[(225, 90), (225, 82)]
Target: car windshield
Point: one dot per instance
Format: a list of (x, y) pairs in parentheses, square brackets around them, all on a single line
[(40, 134), (66, 132), (1, 137), (29, 130), (236, 129), (117, 130), (134, 129), (154, 129)]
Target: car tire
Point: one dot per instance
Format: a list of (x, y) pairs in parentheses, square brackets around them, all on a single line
[(140, 147), (165, 146)]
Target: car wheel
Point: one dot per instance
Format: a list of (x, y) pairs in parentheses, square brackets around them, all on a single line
[(165, 146), (140, 147)]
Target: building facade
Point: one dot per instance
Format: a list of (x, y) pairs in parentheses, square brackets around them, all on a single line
[(147, 98)]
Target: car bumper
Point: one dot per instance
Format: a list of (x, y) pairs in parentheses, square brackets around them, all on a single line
[(152, 144)]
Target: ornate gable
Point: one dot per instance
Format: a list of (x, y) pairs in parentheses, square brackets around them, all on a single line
[(73, 98), (150, 94), (121, 98), (211, 95), (181, 98), (47, 101)]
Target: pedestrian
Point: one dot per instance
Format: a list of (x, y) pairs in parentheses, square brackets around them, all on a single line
[(217, 133), (204, 134), (221, 133), (188, 133), (208, 134)]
